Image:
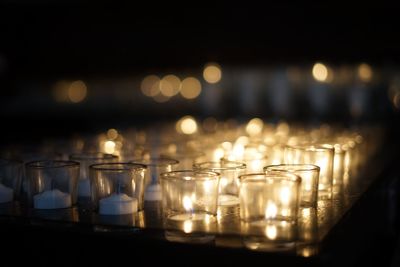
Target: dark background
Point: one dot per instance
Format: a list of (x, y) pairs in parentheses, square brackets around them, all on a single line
[(42, 42)]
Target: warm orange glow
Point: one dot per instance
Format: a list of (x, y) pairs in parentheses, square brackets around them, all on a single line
[(254, 127), (60, 91), (186, 125), (150, 85), (112, 134), (212, 73), (396, 100), (161, 98), (191, 88), (109, 147), (77, 91), (365, 72), (170, 85)]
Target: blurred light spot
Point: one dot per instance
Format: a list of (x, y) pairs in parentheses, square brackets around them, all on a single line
[(150, 85), (365, 72), (320, 72), (60, 91), (191, 88), (282, 128), (255, 126), (170, 85), (187, 226), (112, 134), (109, 147), (212, 73), (210, 124), (271, 231), (186, 125), (77, 91), (396, 100), (161, 98)]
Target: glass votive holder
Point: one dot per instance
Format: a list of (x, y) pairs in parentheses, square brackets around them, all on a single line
[(10, 180), (273, 196), (86, 159), (309, 175), (189, 200), (228, 190), (319, 155), (52, 184), (117, 188), (155, 166)]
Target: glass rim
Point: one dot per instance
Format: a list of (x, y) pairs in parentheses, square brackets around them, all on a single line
[(239, 165), (167, 161), (292, 167), (128, 166), (44, 164), (91, 156), (275, 175), (180, 175)]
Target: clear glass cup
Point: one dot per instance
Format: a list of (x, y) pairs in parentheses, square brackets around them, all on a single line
[(117, 188), (309, 180), (52, 184), (155, 166), (86, 159), (229, 179), (269, 206), (10, 180), (319, 155), (274, 196), (189, 199)]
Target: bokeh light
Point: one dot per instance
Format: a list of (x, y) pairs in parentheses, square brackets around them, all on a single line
[(365, 72), (150, 85), (170, 85), (77, 91), (212, 73), (254, 127), (191, 88), (322, 73), (186, 125)]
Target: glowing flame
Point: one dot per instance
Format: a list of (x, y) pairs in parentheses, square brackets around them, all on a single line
[(271, 211), (187, 226), (187, 203), (285, 195), (271, 232), (109, 147)]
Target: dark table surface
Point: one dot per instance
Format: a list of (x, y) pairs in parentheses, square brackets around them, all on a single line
[(357, 227)]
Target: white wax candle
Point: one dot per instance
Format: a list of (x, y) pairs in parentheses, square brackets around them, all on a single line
[(6, 194), (52, 199), (84, 188), (153, 192), (118, 204)]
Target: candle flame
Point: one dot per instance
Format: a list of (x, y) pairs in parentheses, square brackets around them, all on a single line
[(187, 203), (271, 211), (271, 232)]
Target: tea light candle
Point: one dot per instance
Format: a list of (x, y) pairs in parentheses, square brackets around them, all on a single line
[(153, 192), (52, 199), (118, 204), (6, 194)]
